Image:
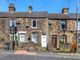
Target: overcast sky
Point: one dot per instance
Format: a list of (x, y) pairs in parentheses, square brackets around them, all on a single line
[(52, 6)]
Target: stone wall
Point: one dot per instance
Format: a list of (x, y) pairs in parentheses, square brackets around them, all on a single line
[(4, 28), (24, 24), (55, 29)]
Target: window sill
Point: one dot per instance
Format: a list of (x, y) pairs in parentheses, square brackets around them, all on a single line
[(34, 27)]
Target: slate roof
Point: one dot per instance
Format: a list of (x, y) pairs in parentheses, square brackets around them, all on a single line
[(63, 16), (23, 14), (38, 14)]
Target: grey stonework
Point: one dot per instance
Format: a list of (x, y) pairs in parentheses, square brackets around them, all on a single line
[(48, 24)]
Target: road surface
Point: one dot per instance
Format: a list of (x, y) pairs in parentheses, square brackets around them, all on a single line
[(33, 57)]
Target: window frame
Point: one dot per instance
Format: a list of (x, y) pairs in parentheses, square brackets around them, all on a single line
[(62, 37), (34, 35), (32, 23), (11, 23), (61, 22), (78, 37), (78, 24)]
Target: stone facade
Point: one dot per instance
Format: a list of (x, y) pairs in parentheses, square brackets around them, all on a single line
[(55, 30), (25, 25), (47, 24)]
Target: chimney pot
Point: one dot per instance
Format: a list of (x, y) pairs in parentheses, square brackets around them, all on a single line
[(30, 9), (11, 8), (65, 10)]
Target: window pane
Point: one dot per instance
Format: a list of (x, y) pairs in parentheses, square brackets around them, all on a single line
[(12, 22), (79, 38), (34, 37), (64, 38), (63, 24), (78, 24), (34, 23)]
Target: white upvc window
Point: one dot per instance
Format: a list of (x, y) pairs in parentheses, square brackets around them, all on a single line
[(21, 36), (34, 37), (34, 23), (12, 22), (78, 24)]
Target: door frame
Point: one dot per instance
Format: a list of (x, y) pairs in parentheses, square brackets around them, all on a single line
[(54, 45), (43, 42)]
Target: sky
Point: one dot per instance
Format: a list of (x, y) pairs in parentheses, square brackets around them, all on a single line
[(52, 6)]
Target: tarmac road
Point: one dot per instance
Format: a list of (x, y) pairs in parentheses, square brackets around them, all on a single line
[(33, 57)]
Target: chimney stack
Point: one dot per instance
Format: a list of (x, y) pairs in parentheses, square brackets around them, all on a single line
[(65, 10), (11, 8), (30, 9)]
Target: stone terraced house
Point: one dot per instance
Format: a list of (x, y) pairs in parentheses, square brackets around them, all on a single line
[(46, 30)]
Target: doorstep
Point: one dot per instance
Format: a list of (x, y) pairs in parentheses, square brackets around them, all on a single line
[(25, 52)]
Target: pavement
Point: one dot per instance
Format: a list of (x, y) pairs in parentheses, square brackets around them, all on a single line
[(64, 55), (24, 52), (6, 52), (42, 54)]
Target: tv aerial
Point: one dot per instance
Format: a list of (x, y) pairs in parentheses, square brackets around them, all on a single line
[(11, 1)]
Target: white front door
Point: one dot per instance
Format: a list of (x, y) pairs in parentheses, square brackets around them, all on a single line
[(22, 38), (43, 41)]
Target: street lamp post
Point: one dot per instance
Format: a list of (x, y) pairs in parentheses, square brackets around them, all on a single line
[(77, 22)]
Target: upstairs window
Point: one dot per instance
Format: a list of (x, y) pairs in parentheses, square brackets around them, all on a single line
[(78, 24), (34, 23), (12, 22), (63, 25), (50, 23)]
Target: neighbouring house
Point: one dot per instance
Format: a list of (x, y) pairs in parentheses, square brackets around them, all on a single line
[(42, 28), (62, 28)]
